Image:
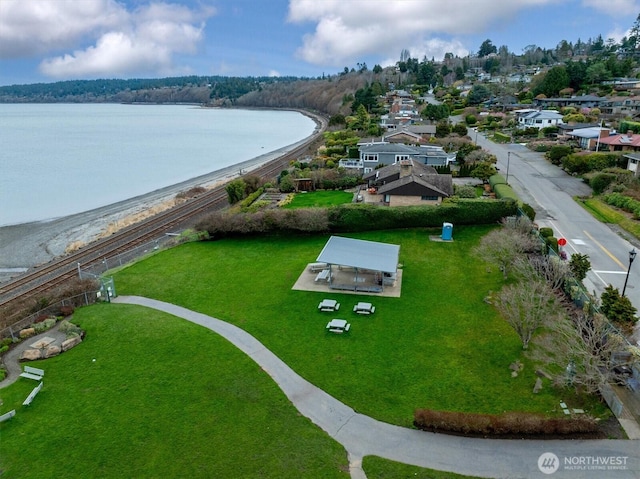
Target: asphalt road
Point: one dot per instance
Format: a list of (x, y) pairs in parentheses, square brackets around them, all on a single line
[(551, 191)]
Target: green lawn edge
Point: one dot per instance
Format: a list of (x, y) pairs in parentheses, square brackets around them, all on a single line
[(379, 468), (148, 395)]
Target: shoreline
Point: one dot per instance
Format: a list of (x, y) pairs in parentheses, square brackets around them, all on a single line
[(27, 245)]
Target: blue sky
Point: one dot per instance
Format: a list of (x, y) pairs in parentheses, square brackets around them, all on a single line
[(51, 40)]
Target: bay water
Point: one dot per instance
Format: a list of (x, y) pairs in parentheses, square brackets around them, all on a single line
[(61, 159)]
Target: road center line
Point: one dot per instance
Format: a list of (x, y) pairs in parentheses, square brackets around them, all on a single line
[(607, 252)]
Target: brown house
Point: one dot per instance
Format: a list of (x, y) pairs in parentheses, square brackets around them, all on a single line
[(407, 183)]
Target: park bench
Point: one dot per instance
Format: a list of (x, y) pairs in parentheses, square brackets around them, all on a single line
[(7, 415), (32, 394), (32, 373), (315, 267)]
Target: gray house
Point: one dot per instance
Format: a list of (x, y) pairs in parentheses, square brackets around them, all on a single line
[(383, 153), (540, 119)]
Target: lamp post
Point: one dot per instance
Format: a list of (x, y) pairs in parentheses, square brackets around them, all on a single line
[(632, 256), (508, 162)]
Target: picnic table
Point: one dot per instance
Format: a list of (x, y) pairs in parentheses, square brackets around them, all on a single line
[(338, 326), (323, 275), (364, 308), (329, 305)]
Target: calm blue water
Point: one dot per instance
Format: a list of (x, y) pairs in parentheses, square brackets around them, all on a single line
[(61, 159)]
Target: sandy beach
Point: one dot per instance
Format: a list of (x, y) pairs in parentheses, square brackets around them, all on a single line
[(28, 245)]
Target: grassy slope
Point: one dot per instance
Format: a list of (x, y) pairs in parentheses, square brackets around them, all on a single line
[(439, 346), (164, 398)]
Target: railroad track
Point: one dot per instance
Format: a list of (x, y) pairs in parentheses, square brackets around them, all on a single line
[(179, 217)]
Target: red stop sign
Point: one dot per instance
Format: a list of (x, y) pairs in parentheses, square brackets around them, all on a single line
[(562, 241)]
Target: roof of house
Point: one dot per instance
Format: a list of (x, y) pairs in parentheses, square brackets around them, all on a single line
[(592, 132), (440, 184), (576, 126), (390, 170), (360, 254), (622, 140), (543, 115)]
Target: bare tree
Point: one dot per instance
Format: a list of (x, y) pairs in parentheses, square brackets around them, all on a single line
[(526, 306), (580, 350), (503, 247), (549, 268)]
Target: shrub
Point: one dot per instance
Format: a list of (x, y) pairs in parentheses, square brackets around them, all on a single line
[(556, 153), (552, 243), (496, 179), (500, 137), (601, 182), (529, 211), (505, 191), (66, 310), (546, 232), (616, 307), (510, 423), (464, 191), (69, 328), (44, 325)]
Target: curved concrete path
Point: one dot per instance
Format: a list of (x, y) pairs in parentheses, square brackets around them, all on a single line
[(361, 435)]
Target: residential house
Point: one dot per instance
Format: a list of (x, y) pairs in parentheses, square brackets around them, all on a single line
[(589, 138), (540, 119), (622, 142), (565, 129), (582, 101), (411, 135), (385, 153), (408, 183), (621, 107), (633, 161)]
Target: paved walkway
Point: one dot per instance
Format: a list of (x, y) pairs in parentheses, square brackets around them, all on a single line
[(361, 435)]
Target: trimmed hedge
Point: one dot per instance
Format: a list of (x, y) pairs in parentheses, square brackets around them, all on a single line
[(501, 137), (504, 192), (507, 424), (496, 179), (357, 217)]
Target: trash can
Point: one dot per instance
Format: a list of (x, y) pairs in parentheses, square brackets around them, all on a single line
[(447, 231)]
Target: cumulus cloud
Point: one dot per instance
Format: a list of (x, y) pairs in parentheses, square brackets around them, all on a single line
[(31, 27), (110, 40), (346, 31), (614, 7)]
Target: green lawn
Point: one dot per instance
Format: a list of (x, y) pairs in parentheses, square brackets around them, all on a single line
[(164, 398), (379, 468), (320, 199), (439, 346), (608, 214)]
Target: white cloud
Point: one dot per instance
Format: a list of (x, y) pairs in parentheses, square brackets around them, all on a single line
[(30, 27), (110, 40), (274, 73), (348, 30), (615, 8)]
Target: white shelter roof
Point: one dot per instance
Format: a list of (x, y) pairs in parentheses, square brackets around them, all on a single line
[(360, 254)]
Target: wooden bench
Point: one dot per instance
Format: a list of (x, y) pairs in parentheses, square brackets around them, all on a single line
[(32, 394), (7, 415), (32, 373)]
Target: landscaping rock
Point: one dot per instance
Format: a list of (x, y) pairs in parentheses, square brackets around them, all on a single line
[(71, 342), (51, 351), (538, 386), (27, 332), (30, 355)]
